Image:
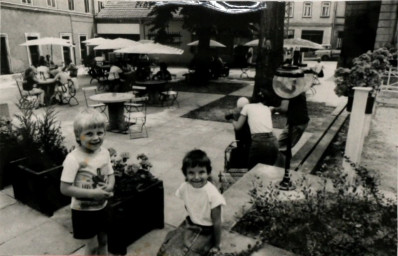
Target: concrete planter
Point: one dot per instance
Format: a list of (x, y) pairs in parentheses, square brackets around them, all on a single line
[(133, 216), (39, 189)]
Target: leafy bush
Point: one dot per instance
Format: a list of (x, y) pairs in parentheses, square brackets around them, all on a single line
[(38, 139), (349, 219), (365, 72)]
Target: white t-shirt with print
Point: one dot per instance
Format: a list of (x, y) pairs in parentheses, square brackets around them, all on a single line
[(200, 201), (259, 118), (85, 171)]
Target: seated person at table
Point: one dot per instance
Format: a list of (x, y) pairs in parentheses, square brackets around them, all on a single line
[(61, 88), (42, 69), (72, 69), (163, 73), (114, 76), (30, 85), (50, 63)]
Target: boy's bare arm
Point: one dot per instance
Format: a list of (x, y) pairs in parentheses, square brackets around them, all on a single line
[(216, 219), (111, 183), (98, 193)]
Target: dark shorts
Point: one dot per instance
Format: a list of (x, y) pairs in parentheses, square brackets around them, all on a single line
[(87, 224)]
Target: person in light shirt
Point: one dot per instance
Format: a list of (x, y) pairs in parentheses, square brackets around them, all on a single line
[(264, 144)]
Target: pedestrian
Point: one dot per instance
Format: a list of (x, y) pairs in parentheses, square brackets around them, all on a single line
[(297, 119), (318, 68), (88, 178), (264, 145), (202, 200), (296, 56)]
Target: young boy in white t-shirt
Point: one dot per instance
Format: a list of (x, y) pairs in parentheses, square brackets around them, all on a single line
[(202, 200), (88, 178)]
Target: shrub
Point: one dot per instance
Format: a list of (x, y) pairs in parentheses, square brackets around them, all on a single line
[(366, 71), (38, 139), (350, 219)]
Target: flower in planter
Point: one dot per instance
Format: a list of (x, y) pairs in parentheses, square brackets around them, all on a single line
[(366, 71), (130, 176)]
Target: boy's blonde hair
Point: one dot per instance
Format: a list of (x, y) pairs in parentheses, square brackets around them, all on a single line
[(88, 119)]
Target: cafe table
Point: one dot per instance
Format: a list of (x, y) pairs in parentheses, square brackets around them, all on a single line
[(48, 85), (154, 87), (115, 103)]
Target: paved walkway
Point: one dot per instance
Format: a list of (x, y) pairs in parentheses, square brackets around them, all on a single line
[(25, 231)]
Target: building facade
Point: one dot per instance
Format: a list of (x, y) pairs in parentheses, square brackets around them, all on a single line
[(23, 20), (318, 21), (129, 19)]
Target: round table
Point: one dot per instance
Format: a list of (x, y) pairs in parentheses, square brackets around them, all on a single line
[(154, 87), (48, 86), (115, 103)]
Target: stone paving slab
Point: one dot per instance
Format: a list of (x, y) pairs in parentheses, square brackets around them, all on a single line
[(6, 200), (17, 219), (52, 239)]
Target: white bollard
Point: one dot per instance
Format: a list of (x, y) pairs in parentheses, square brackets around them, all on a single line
[(357, 127)]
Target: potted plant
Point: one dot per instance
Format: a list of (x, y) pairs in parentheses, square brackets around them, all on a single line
[(38, 152), (138, 203), (366, 71)]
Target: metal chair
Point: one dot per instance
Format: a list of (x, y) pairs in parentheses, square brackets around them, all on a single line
[(67, 92), (89, 91), (135, 117), (27, 100), (170, 95)]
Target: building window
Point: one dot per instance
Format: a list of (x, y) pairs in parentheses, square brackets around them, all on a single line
[(71, 4), (51, 3), (289, 9), (86, 6), (307, 10), (169, 38), (27, 1), (325, 9), (100, 6)]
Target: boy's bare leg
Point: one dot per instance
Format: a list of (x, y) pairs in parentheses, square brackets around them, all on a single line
[(91, 246), (102, 243)]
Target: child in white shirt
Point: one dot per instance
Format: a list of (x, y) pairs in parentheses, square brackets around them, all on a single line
[(88, 178), (202, 200)]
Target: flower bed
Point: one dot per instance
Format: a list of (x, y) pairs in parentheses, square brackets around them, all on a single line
[(349, 221)]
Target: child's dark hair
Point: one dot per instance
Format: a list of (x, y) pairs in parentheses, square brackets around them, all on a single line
[(195, 158)]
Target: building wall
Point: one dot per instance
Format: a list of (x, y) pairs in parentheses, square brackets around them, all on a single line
[(19, 20), (387, 27), (330, 25), (175, 26)]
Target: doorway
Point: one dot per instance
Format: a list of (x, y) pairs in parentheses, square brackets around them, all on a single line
[(5, 65), (66, 51), (83, 49), (33, 51)]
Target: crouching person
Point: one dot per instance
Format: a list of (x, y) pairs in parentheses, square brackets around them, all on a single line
[(200, 234)]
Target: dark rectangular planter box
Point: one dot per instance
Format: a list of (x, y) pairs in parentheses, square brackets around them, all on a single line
[(38, 189), (134, 216)]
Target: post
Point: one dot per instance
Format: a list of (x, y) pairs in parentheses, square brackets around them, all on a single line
[(356, 129), (286, 184)]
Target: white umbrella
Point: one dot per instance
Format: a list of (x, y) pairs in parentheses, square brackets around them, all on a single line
[(117, 43), (151, 48), (213, 43), (291, 43), (48, 41), (95, 41)]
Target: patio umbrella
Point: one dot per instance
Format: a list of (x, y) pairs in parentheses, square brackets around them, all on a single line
[(151, 48), (49, 41), (115, 44), (291, 43), (213, 43), (95, 41)]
